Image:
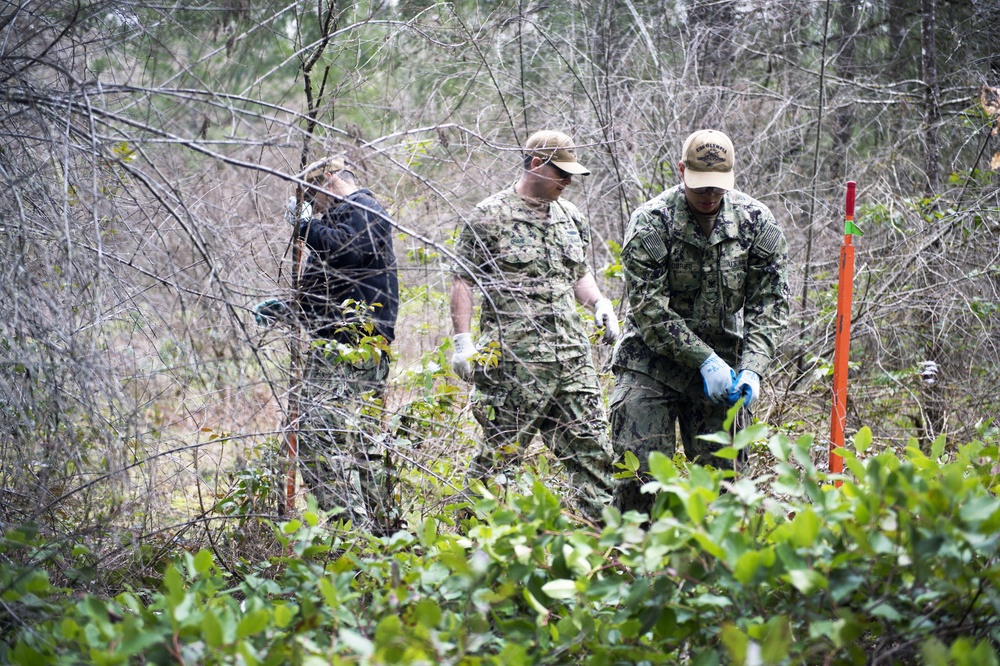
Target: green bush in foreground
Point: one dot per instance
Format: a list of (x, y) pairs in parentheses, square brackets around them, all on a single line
[(898, 565)]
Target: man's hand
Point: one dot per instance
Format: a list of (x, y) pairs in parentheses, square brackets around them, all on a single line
[(266, 312), (464, 350), (604, 315), (305, 211), (717, 378), (748, 385)]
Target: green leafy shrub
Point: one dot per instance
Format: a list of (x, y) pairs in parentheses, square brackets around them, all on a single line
[(897, 564)]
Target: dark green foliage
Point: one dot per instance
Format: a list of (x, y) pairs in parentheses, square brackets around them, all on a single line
[(897, 565)]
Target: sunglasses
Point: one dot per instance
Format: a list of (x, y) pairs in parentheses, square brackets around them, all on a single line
[(559, 172), (712, 191)]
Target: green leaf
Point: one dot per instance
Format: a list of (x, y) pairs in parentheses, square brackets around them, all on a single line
[(661, 467), (388, 630), (137, 639), (748, 436), (329, 592), (776, 641), (69, 628), (863, 439), (173, 582), (631, 462), (211, 629), (696, 508), (706, 658), (561, 588), (28, 656), (427, 612), (428, 532), (252, 623), (807, 581), (805, 528), (709, 545), (541, 610), (283, 615), (721, 437), (780, 447), (735, 642), (979, 509), (886, 611), (726, 453), (514, 655), (937, 448), (746, 567), (982, 655), (36, 582), (711, 601), (203, 561), (934, 653), (356, 642)]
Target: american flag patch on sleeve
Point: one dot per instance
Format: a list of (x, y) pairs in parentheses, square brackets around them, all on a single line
[(653, 244), (767, 241)]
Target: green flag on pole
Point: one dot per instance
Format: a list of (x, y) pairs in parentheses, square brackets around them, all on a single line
[(851, 229)]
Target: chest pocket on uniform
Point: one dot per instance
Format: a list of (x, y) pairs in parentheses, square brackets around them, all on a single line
[(734, 273), (572, 246), (517, 249), (685, 268)]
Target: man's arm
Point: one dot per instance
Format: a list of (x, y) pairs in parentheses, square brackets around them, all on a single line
[(461, 320), (765, 309), (586, 291), (461, 305), (349, 240)]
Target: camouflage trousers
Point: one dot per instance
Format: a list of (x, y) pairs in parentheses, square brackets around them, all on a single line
[(342, 454), (560, 401), (645, 417)]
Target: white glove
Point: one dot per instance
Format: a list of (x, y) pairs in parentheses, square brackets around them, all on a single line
[(604, 315), (464, 350), (747, 383), (305, 211), (717, 378)]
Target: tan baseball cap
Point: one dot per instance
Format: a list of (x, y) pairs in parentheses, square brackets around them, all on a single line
[(557, 148), (315, 172), (707, 156)]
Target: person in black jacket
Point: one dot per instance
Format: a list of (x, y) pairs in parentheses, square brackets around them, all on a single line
[(348, 300)]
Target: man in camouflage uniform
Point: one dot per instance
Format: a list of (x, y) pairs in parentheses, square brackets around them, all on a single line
[(526, 249), (705, 270), (348, 299)]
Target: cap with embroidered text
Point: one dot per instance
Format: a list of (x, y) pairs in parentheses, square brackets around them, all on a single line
[(708, 160)]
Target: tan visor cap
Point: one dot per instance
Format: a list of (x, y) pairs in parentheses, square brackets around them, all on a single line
[(315, 172), (557, 148)]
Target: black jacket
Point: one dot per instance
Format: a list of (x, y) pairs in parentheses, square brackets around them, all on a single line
[(351, 258)]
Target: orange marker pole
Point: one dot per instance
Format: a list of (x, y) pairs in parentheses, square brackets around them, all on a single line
[(842, 340)]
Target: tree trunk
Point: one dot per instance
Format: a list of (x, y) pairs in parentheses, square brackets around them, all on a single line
[(932, 96)]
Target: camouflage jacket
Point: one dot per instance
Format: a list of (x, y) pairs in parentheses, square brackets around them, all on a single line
[(526, 266), (690, 295)]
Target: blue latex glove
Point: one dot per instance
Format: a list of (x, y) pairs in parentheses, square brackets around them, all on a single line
[(266, 312), (747, 385), (717, 378)]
